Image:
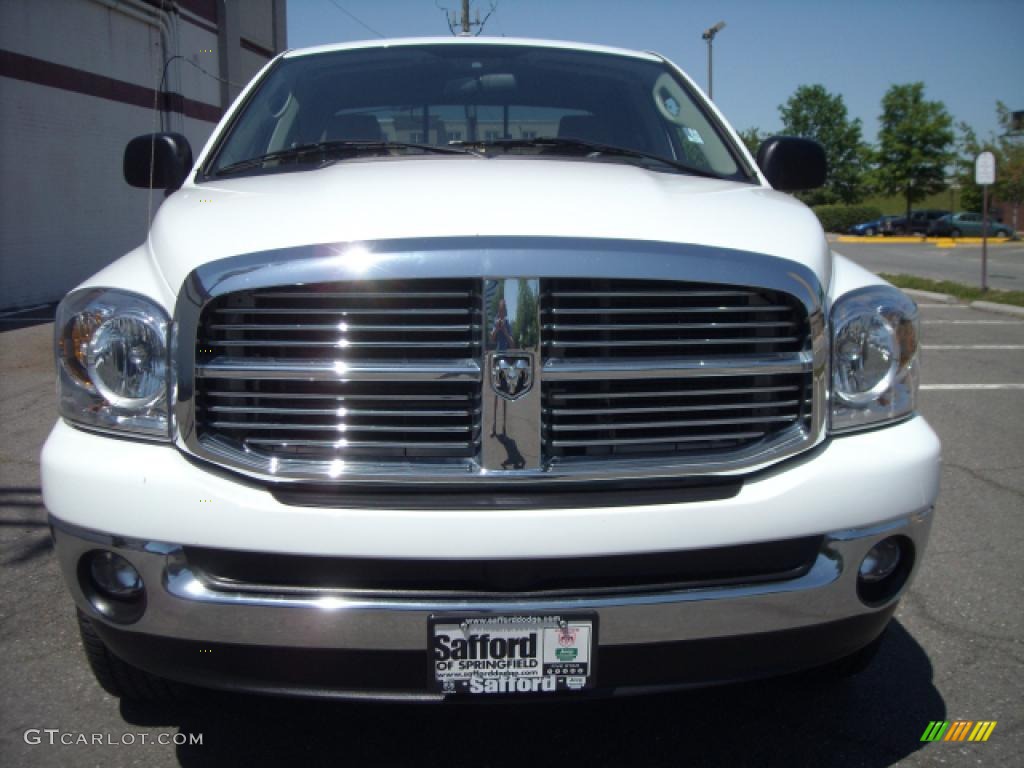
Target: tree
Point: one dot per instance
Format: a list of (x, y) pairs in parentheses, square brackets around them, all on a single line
[(1009, 153), (914, 144), (752, 137), (968, 146), (814, 113)]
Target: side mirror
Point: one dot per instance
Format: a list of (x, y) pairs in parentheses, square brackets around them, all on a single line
[(171, 158), (790, 164)]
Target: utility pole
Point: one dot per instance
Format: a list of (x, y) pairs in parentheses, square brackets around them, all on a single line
[(465, 25)]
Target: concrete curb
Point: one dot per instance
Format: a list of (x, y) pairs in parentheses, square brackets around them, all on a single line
[(1002, 309), (940, 298)]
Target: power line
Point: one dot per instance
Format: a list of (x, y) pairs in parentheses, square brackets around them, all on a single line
[(179, 57), (448, 17), (355, 18), (482, 24), (465, 24)]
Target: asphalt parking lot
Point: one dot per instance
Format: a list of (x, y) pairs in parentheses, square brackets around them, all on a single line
[(941, 260), (954, 651)]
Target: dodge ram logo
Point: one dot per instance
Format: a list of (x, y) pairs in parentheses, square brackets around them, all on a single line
[(511, 375)]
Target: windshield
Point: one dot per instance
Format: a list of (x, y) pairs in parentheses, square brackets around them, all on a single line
[(458, 94)]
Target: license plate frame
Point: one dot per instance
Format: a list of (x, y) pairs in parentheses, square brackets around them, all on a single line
[(561, 656)]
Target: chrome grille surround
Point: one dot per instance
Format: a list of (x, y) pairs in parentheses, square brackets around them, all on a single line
[(526, 260)]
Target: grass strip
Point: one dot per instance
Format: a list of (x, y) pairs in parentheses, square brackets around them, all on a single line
[(959, 290)]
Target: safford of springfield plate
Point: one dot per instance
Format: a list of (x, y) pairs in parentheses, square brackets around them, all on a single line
[(512, 654)]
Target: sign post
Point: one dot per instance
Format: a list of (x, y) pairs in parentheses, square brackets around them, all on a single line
[(984, 176)]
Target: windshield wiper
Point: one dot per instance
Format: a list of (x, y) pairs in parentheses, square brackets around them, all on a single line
[(328, 150), (592, 147)]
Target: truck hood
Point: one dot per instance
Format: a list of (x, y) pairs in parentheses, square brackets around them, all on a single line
[(444, 196)]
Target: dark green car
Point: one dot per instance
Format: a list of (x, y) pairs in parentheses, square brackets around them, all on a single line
[(967, 225)]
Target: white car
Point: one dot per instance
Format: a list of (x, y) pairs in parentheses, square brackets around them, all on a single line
[(466, 367)]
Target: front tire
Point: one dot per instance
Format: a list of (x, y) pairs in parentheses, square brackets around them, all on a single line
[(852, 665), (121, 679)]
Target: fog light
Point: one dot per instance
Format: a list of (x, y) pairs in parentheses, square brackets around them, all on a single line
[(884, 570), (112, 585), (881, 561), (114, 576)]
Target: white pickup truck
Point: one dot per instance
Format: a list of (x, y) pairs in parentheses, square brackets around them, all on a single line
[(465, 367)]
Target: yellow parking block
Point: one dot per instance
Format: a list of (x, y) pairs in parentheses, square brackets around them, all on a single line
[(941, 242)]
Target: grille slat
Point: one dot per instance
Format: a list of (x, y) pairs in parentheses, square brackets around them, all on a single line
[(610, 367), (332, 327), (419, 312), (372, 296), (643, 441), (664, 342), (652, 294), (259, 426), (571, 311), (337, 398), (346, 344), (630, 425), (333, 444), (229, 367), (739, 406), (668, 393), (615, 327), (352, 412)]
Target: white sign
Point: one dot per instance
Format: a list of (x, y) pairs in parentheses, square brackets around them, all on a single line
[(985, 169)]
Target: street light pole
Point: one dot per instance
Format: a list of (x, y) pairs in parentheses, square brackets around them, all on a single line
[(709, 35)]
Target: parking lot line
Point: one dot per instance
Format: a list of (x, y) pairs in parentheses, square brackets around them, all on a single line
[(973, 322), (943, 306), (946, 347), (971, 386)]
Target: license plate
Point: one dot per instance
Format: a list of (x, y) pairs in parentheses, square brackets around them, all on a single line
[(512, 654)]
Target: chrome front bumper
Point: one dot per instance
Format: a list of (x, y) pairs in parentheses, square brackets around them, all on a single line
[(182, 604)]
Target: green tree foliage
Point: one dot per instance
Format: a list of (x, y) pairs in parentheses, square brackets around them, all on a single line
[(752, 137), (967, 148), (1009, 152), (915, 143), (814, 113), (526, 331)]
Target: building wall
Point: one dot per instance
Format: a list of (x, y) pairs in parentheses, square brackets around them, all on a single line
[(77, 81)]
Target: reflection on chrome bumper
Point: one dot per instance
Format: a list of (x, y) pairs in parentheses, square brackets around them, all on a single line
[(182, 604)]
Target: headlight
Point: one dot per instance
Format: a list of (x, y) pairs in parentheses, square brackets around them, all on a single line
[(874, 357), (113, 362)]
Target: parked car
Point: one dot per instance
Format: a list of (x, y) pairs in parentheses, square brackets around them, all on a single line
[(873, 227), (460, 368), (920, 221), (966, 224)]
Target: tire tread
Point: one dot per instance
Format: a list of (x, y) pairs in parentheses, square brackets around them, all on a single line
[(118, 677)]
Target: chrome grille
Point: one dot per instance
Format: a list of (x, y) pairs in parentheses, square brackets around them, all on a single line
[(605, 328), (333, 371), (303, 368)]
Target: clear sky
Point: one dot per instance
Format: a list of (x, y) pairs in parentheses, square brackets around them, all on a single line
[(969, 53)]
